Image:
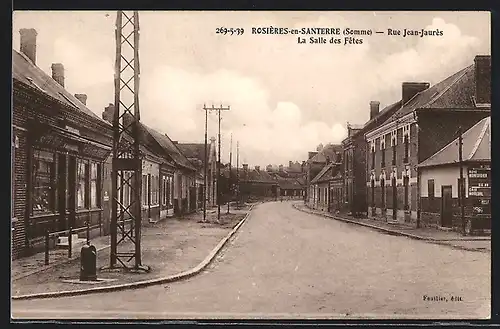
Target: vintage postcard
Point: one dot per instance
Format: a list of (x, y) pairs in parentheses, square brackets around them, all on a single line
[(251, 165)]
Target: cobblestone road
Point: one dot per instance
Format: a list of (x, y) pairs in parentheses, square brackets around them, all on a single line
[(284, 263)]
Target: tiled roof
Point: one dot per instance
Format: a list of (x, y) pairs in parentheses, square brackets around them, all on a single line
[(193, 150), (324, 174), (289, 183), (256, 175), (476, 146), (456, 91), (24, 71), (329, 150), (172, 150)]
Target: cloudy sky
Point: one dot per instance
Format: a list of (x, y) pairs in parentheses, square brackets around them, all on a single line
[(285, 97)]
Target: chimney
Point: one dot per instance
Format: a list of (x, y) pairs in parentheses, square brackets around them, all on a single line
[(311, 154), (245, 166), (257, 168), (175, 142), (482, 72), (290, 164), (410, 89), (374, 109), (280, 168), (28, 43), (58, 73), (108, 113), (82, 98), (269, 168)]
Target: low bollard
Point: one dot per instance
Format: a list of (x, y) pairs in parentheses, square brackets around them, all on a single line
[(47, 247), (88, 263)]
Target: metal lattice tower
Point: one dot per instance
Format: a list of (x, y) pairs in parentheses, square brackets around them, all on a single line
[(127, 160)]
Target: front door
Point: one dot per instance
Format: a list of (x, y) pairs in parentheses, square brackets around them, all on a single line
[(446, 206), (394, 199), (62, 192)]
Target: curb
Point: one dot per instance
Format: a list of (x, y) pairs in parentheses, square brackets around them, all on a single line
[(141, 284), (409, 235)]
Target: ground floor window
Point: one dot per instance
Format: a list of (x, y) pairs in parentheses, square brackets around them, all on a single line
[(43, 192)]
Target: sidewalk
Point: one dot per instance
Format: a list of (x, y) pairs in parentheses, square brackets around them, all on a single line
[(169, 247), (449, 238)]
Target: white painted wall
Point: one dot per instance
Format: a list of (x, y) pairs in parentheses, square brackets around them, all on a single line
[(445, 175)]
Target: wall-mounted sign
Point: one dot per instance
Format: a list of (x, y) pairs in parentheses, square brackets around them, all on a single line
[(479, 181), (72, 130)]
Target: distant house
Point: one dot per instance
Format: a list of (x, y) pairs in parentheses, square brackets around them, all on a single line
[(168, 180), (195, 153), (316, 162), (427, 120), (321, 196), (440, 181), (256, 184)]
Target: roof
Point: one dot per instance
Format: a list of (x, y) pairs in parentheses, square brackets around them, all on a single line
[(193, 150), (24, 71), (289, 183), (256, 175), (456, 91), (476, 146), (324, 174), (172, 150), (329, 150)]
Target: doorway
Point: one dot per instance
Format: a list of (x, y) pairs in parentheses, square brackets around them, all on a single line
[(394, 199), (446, 206)]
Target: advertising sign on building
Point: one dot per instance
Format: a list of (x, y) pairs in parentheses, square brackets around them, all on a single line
[(479, 181)]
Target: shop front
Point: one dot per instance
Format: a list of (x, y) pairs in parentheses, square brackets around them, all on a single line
[(65, 173)]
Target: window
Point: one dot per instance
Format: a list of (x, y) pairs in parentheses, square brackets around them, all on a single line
[(82, 171), (382, 161), (155, 190), (346, 161), (394, 155), (382, 185), (406, 180), (407, 149), (93, 185), (164, 190), (373, 192), (43, 183), (144, 194), (373, 158), (430, 189)]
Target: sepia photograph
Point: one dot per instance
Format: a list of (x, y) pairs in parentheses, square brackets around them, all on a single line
[(272, 165)]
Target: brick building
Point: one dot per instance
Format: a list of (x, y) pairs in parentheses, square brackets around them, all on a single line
[(323, 190), (427, 120), (354, 159), (59, 151), (440, 181)]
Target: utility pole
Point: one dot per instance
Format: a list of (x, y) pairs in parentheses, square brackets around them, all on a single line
[(230, 190), (462, 185), (218, 109), (205, 167), (237, 175), (127, 160), (218, 164)]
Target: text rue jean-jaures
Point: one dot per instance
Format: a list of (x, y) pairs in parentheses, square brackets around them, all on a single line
[(333, 35)]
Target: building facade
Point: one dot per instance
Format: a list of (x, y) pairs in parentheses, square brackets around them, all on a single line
[(427, 120), (59, 151), (440, 187)]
